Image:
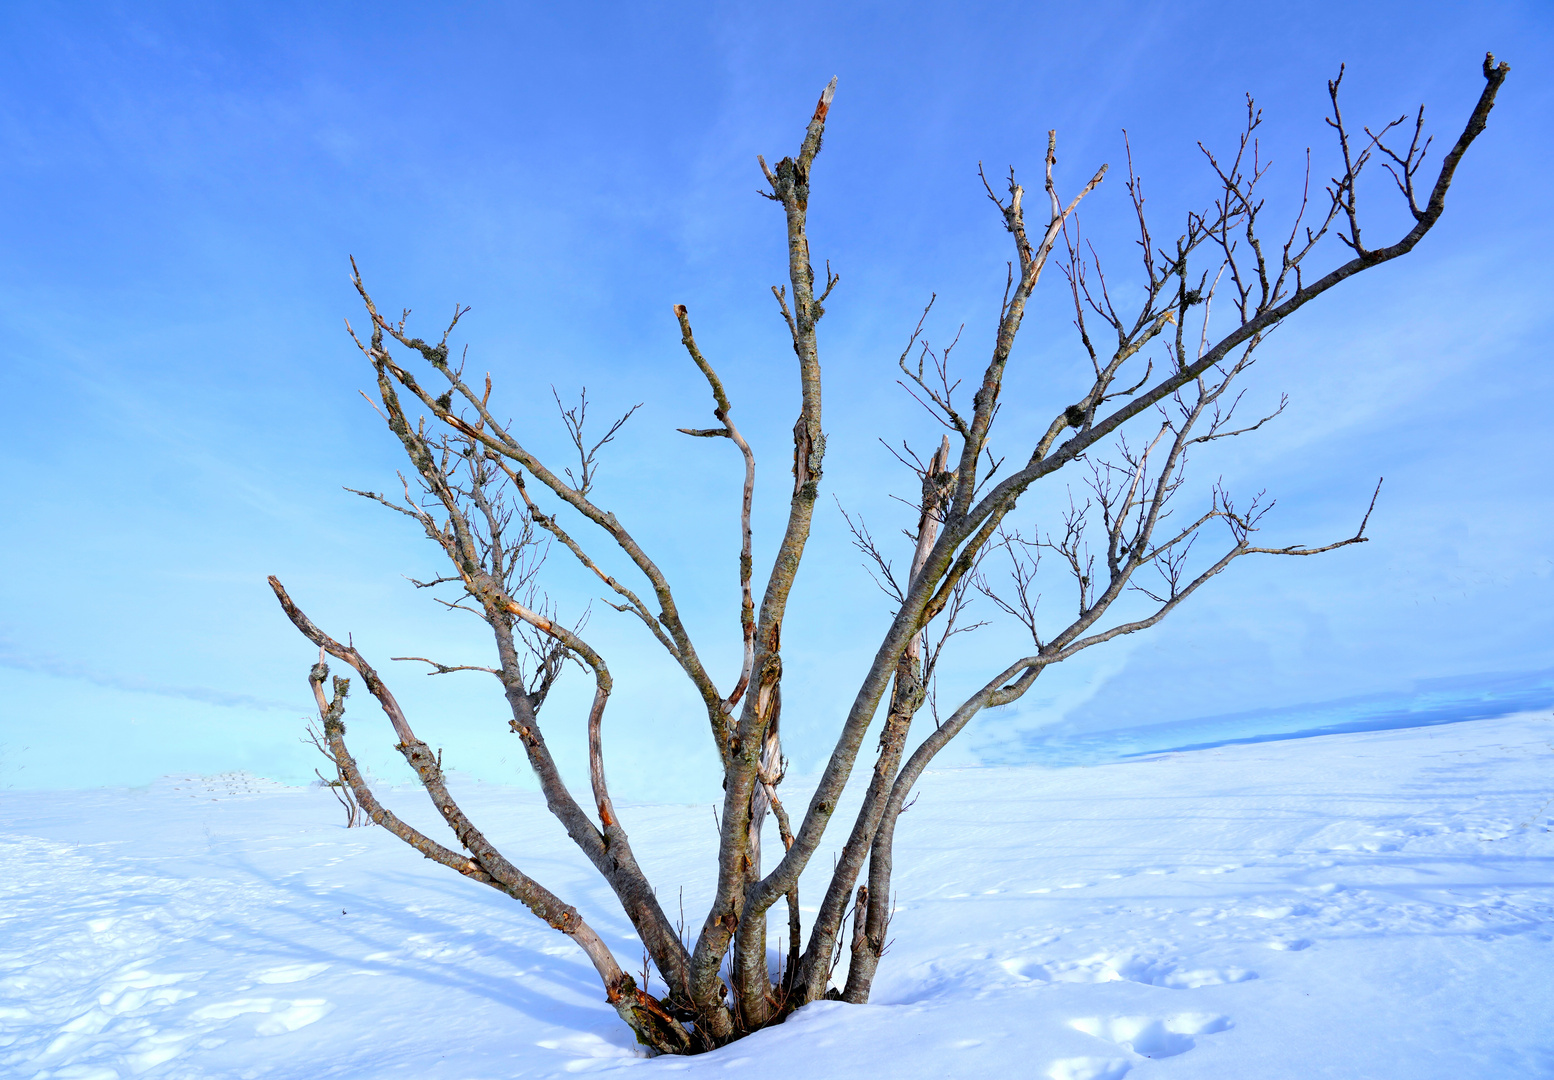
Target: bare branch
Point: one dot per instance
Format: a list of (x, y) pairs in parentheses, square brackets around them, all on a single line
[(444, 669), (746, 565)]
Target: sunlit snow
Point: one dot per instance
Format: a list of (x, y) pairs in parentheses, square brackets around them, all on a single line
[(1375, 904)]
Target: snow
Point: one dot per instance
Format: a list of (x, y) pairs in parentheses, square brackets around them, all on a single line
[(1375, 904)]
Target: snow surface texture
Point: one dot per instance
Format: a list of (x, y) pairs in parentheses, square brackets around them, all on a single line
[(1362, 905)]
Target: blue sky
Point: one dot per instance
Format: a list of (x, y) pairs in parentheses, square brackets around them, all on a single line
[(184, 183)]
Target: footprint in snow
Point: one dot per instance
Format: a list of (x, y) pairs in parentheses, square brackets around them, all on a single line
[(1153, 1037), (1104, 967), (276, 1017), (588, 1050), (1088, 1068)]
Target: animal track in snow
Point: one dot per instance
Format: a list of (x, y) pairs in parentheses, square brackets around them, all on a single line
[(1153, 1037), (1105, 967)]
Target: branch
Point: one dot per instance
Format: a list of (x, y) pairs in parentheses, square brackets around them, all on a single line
[(444, 669), (645, 1014), (731, 432)]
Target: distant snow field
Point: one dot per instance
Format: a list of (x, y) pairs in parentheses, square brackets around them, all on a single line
[(1351, 906)]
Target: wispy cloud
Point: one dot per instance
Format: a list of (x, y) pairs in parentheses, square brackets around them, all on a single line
[(12, 657)]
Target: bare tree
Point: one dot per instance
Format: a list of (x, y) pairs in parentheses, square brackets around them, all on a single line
[(1164, 376)]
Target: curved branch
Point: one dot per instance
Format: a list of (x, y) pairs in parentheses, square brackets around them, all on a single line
[(603, 684), (645, 1014), (730, 431)]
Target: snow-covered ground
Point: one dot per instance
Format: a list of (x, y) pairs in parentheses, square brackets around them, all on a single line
[(1360, 905)]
